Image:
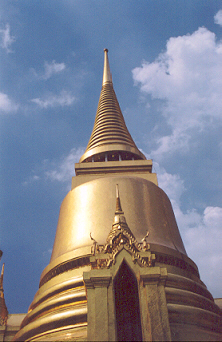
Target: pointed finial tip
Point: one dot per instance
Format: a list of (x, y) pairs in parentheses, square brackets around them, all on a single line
[(107, 77), (117, 190)]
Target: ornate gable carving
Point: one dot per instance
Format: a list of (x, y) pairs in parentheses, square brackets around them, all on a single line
[(119, 238)]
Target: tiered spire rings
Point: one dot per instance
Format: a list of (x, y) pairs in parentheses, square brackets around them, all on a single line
[(110, 139)]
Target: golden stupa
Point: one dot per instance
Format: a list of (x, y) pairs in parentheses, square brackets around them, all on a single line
[(119, 269)]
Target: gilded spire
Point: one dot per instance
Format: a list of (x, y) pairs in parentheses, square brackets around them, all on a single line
[(110, 139)]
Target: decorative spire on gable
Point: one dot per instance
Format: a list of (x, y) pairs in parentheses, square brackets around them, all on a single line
[(119, 222), (120, 237), (110, 139), (118, 204)]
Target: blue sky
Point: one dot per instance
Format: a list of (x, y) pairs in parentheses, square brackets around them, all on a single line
[(166, 63)]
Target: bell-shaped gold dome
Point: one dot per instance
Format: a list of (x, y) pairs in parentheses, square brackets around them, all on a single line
[(146, 207)]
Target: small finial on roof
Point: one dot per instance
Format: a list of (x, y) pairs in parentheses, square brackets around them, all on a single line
[(118, 204), (107, 76)]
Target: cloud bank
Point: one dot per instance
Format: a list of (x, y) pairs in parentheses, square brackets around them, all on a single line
[(187, 79), (201, 231)]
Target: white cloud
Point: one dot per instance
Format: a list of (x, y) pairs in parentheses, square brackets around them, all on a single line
[(178, 140), (63, 99), (202, 236), (187, 79), (7, 105), (173, 185), (31, 180), (201, 232), (7, 39), (52, 68), (61, 170), (218, 18), (47, 254)]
